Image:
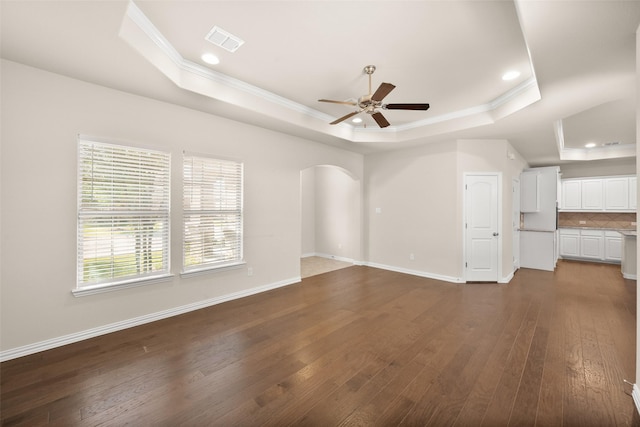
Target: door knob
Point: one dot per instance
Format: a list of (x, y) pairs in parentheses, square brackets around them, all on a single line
[(495, 233)]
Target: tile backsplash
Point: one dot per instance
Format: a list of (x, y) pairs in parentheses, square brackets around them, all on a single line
[(597, 220)]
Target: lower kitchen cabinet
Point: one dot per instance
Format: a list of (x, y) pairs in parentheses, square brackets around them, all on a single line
[(590, 244), (612, 246), (569, 243)]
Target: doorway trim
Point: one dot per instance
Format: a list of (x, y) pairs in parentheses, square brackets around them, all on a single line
[(500, 236)]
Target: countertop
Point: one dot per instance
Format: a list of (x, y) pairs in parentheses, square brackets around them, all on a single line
[(619, 230)]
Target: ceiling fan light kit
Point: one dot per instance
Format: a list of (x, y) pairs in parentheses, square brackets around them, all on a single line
[(370, 103)]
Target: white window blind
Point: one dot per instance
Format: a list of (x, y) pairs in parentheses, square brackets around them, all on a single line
[(212, 234), (123, 214)]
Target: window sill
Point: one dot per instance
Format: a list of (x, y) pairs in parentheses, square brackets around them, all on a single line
[(111, 287), (205, 270)]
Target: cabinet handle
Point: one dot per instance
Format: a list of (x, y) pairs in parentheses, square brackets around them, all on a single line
[(495, 233)]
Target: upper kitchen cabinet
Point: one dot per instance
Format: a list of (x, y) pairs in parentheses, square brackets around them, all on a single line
[(606, 194), (616, 192), (571, 194), (633, 193), (530, 192), (592, 194)]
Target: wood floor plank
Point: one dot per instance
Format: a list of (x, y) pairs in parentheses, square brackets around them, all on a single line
[(501, 404), (355, 347), (550, 412)]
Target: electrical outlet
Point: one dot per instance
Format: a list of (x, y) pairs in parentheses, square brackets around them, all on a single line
[(378, 210), (339, 245), (412, 257), (250, 271), (633, 223), (582, 222)]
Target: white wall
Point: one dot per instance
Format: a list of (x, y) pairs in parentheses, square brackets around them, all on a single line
[(331, 213), (42, 114), (610, 167), (308, 211), (337, 213), (416, 193), (420, 196)]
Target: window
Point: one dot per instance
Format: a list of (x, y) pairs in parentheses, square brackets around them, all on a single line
[(123, 214), (212, 234)]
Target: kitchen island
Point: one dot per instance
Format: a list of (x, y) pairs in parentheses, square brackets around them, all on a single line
[(629, 254)]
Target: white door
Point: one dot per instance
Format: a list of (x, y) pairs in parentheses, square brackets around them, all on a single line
[(481, 228)]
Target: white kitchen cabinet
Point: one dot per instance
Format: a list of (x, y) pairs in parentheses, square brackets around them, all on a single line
[(604, 194), (592, 244), (616, 193), (572, 195), (569, 243), (529, 192), (612, 246), (592, 194)]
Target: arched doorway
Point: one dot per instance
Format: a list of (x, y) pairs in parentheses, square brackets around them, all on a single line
[(331, 218)]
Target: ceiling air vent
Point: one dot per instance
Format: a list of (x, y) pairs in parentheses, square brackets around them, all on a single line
[(225, 40)]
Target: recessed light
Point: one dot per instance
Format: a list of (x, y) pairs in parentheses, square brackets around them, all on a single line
[(357, 120), (590, 145), (510, 75), (210, 58)]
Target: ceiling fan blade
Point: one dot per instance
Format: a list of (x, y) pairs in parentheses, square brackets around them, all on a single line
[(382, 91), (406, 106), (338, 102), (380, 120), (343, 118)]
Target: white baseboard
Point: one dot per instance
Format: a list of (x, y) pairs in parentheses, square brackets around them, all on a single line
[(635, 393), (335, 257), (137, 321), (507, 279), (630, 276), (415, 272)]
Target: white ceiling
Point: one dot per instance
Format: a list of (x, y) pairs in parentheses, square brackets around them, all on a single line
[(576, 58)]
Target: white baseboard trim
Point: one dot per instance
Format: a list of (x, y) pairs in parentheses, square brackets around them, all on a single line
[(137, 321), (416, 272), (507, 279), (630, 276), (335, 257), (635, 393)]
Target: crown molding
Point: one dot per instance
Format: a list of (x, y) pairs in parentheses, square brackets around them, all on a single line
[(595, 153), (143, 36)]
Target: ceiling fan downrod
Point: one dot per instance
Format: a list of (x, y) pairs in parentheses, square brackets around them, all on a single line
[(369, 69)]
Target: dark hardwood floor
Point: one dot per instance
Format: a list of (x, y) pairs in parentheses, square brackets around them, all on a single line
[(357, 346)]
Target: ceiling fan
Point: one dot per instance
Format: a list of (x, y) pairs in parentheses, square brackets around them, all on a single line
[(370, 103)]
